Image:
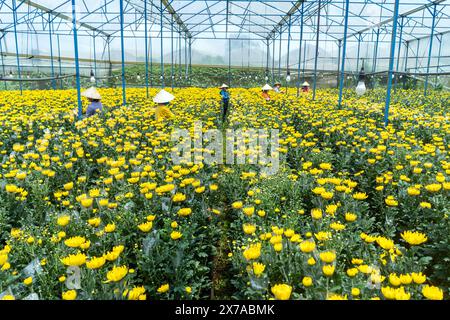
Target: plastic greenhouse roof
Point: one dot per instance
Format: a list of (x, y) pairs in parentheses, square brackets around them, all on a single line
[(240, 19)]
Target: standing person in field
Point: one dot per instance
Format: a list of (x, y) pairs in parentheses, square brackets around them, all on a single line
[(163, 99), (225, 101), (265, 92), (94, 97)]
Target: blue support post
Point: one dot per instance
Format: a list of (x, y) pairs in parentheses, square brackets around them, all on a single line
[(273, 60), (439, 60), (406, 63), (399, 51), (162, 45), (190, 61), (279, 58), (151, 63), (300, 49), (180, 58), (391, 64), (344, 50), (375, 54), (146, 47), (288, 51), (51, 51), (77, 62), (317, 51), (433, 26), (17, 45), (229, 61), (59, 61), (304, 60), (171, 62), (3, 63), (267, 60), (417, 56), (124, 94), (407, 56), (339, 63), (358, 52), (95, 61)]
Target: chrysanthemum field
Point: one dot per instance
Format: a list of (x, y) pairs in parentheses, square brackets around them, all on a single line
[(96, 209)]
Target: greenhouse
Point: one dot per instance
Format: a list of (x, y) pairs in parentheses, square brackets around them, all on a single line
[(224, 150)]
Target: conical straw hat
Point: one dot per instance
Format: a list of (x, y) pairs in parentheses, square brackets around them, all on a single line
[(223, 86), (267, 87), (163, 97), (305, 84), (92, 93)]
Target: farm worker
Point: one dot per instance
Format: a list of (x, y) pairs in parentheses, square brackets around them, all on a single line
[(305, 86), (94, 101), (277, 87), (265, 92), (361, 87), (162, 111), (225, 101)]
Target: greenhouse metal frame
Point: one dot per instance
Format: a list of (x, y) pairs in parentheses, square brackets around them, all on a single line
[(402, 25)]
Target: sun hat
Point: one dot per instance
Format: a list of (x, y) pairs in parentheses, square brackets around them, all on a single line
[(276, 83), (163, 97), (305, 84), (267, 87), (92, 93), (223, 86)]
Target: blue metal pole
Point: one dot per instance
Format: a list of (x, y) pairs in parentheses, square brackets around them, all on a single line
[(300, 49), (430, 48), (51, 51), (151, 63), (124, 94), (317, 51), (304, 60), (279, 58), (399, 50), (417, 56), (229, 61), (288, 49), (3, 63), (339, 63), (439, 60), (59, 61), (406, 63), (171, 45), (344, 48), (391, 63), (273, 60), (358, 52), (95, 62), (77, 62), (190, 61), (162, 46), (146, 47), (375, 54), (180, 67), (17, 45)]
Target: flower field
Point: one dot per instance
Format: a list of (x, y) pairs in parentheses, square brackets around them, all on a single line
[(96, 209)]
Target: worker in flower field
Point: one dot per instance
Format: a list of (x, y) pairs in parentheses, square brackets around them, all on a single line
[(94, 101), (225, 101), (305, 86), (265, 92), (162, 112), (277, 87)]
